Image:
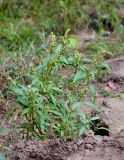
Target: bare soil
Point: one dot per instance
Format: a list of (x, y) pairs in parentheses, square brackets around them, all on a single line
[(86, 148)]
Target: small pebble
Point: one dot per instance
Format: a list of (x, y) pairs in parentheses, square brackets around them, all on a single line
[(89, 146)]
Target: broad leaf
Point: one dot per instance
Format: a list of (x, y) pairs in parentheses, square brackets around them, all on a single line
[(82, 131), (92, 90), (25, 111), (78, 76), (57, 89)]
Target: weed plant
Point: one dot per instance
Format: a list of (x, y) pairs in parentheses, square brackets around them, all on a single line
[(51, 101)]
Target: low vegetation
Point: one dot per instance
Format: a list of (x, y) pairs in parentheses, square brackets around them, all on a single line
[(51, 100)]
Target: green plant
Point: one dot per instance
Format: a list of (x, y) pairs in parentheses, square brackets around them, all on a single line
[(60, 15), (51, 102)]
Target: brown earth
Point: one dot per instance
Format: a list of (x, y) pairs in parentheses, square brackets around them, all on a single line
[(117, 65), (86, 148)]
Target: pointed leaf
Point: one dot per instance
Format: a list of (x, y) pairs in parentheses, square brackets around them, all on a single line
[(92, 90), (25, 111), (82, 131), (94, 118), (57, 89), (78, 76)]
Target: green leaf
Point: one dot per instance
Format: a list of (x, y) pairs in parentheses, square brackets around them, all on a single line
[(64, 60), (92, 90), (78, 76), (41, 98), (57, 89), (35, 81), (25, 111), (72, 42), (42, 125), (22, 100), (55, 112), (62, 3), (34, 89), (82, 131), (58, 49), (62, 133), (94, 118), (107, 67), (39, 112), (92, 105), (17, 90), (87, 60), (53, 99), (84, 119), (77, 105)]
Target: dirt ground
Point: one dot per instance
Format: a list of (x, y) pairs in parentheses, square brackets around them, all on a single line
[(86, 148)]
